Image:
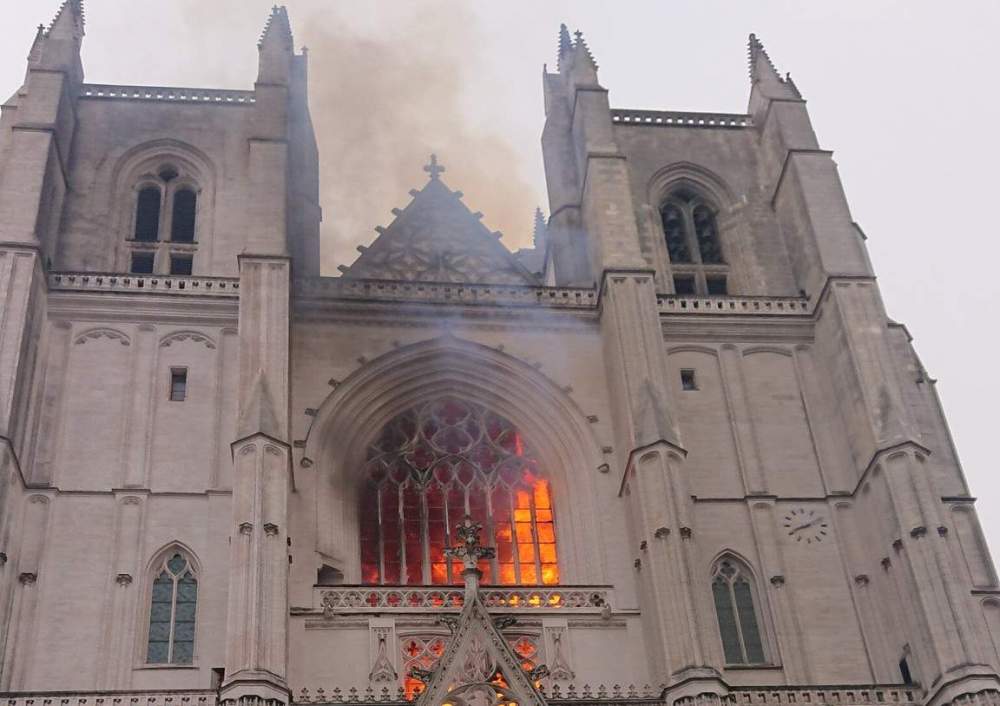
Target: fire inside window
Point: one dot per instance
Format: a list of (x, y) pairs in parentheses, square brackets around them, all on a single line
[(427, 469)]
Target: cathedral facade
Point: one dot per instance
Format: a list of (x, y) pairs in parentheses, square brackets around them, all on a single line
[(675, 453)]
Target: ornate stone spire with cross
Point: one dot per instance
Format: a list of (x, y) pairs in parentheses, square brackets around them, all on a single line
[(469, 551), (433, 168)]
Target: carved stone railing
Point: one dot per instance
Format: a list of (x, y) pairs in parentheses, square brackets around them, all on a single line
[(601, 695), (145, 284), (193, 697), (679, 119), (165, 93), (354, 599), (775, 306), (442, 293)]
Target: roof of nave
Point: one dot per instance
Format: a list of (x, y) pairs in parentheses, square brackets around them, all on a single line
[(436, 238)]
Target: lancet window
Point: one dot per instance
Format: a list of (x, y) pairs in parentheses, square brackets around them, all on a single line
[(172, 607), (693, 245), (166, 202), (432, 465), (739, 627)]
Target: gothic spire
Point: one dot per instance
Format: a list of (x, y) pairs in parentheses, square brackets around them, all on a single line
[(565, 46), (763, 72), (69, 20), (541, 228), (278, 30), (582, 48)]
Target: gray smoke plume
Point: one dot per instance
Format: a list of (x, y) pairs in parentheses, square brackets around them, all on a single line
[(383, 100)]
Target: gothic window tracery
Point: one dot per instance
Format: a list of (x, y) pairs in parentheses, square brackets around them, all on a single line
[(739, 627), (429, 467), (693, 245), (164, 203), (172, 607)]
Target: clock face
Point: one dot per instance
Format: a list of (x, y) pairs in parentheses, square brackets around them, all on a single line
[(805, 525)]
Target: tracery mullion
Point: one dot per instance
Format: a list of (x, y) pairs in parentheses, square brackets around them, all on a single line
[(446, 491), (381, 536), (491, 534), (400, 492), (536, 549), (736, 618), (425, 537), (513, 536), (694, 247), (173, 616)]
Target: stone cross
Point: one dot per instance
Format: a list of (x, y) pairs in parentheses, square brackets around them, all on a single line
[(468, 549), (434, 169)]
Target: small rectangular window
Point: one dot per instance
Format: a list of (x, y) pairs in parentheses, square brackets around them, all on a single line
[(178, 384), (684, 284), (180, 264), (688, 381), (142, 263), (716, 285)]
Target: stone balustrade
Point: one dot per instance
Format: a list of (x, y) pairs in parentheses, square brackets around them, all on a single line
[(774, 306), (602, 695), (193, 697), (673, 118), (444, 293), (164, 93), (354, 599), (145, 284)]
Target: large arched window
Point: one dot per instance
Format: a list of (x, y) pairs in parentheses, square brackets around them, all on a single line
[(693, 244), (166, 201), (172, 607), (432, 465), (733, 593)]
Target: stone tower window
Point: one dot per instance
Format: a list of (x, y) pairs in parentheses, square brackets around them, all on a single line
[(147, 215), (733, 593), (693, 245), (165, 202), (432, 465), (182, 225), (172, 607)]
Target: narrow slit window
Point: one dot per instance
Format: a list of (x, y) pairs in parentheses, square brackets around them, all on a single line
[(147, 215), (688, 380), (142, 263), (904, 671), (172, 611), (733, 595), (181, 264), (183, 216), (684, 284), (178, 384)]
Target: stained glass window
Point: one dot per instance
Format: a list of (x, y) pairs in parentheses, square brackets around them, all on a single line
[(172, 612), (432, 465), (732, 592)]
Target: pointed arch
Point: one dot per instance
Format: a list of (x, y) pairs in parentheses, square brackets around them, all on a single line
[(171, 601), (347, 421), (696, 178), (738, 610)]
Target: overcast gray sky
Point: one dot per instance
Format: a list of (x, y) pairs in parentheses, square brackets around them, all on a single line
[(904, 92)]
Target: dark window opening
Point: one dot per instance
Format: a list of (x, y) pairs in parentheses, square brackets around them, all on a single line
[(147, 215), (178, 384), (716, 285), (329, 576), (218, 676), (182, 227), (708, 235), (688, 381), (904, 671), (142, 263), (167, 173), (684, 284), (673, 229), (181, 264)]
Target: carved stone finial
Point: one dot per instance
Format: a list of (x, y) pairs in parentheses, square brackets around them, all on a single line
[(433, 168), (468, 549)]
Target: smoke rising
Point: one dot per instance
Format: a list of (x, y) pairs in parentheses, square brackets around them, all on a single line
[(382, 100)]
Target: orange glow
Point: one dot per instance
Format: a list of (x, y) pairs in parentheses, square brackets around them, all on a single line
[(542, 495), (412, 687), (550, 574)]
